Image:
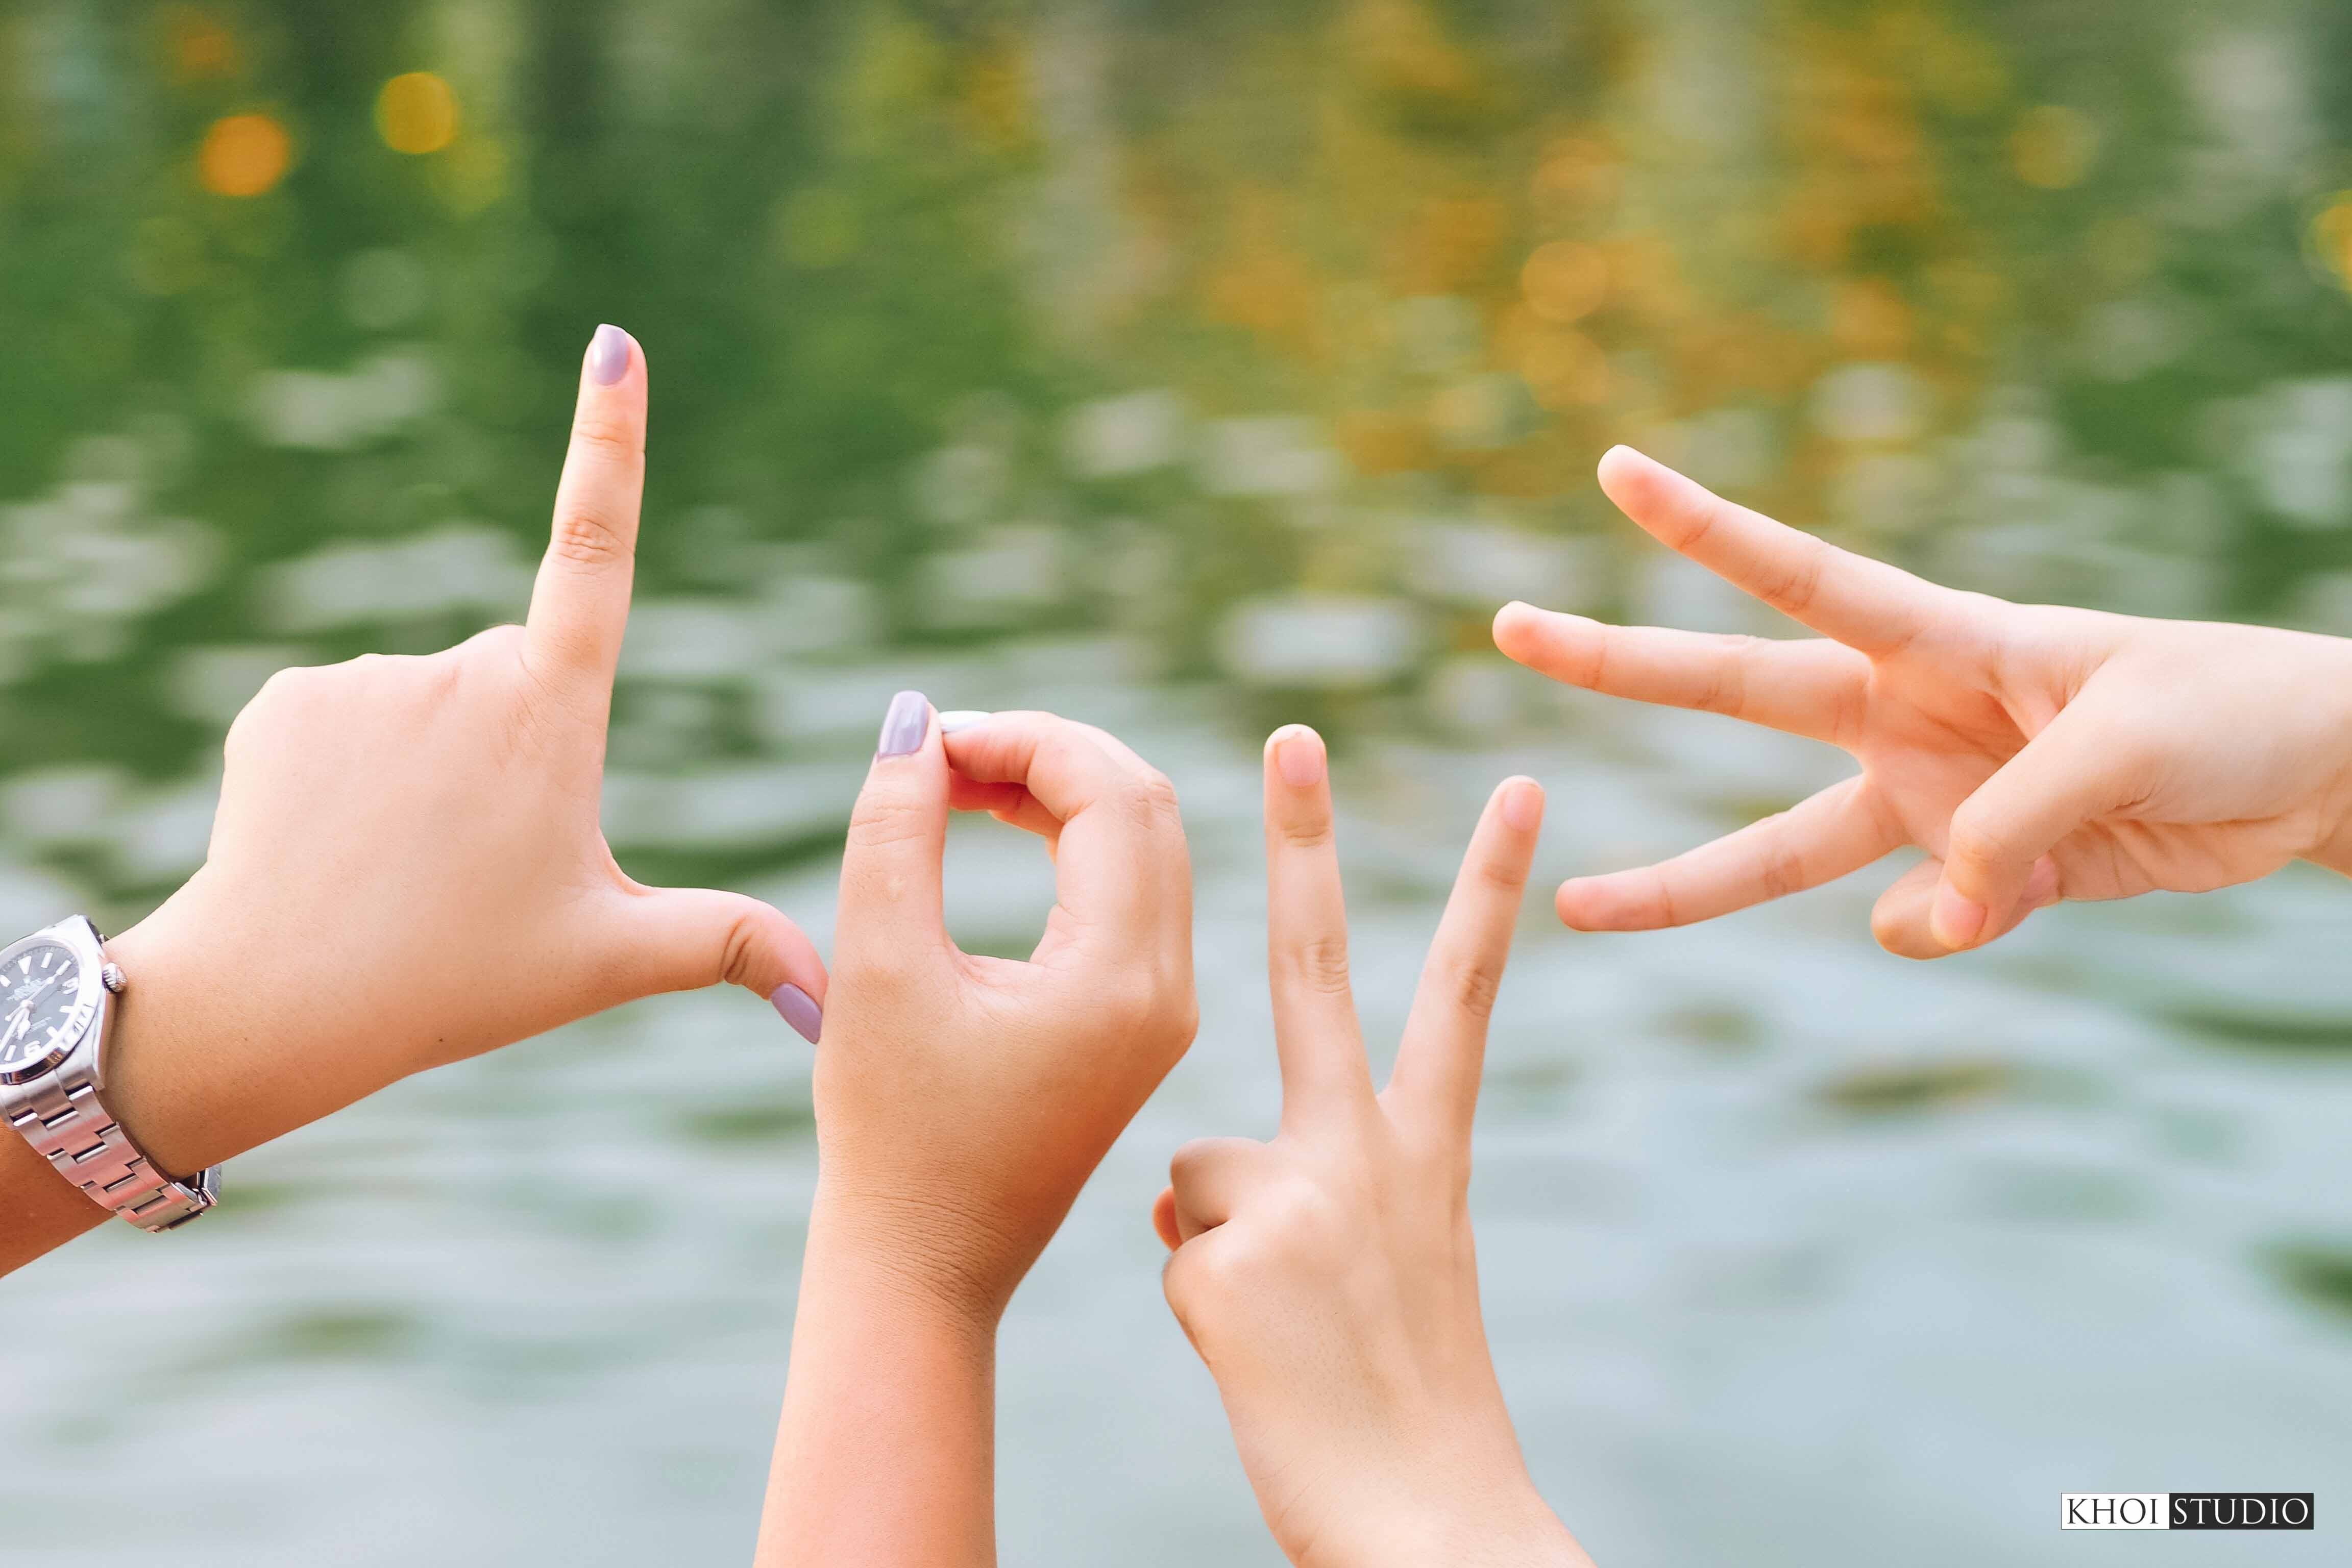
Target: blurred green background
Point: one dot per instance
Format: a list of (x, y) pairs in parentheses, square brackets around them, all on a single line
[(1191, 368)]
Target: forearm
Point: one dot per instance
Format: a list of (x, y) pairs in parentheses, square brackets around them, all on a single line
[(885, 1453), (39, 1209)]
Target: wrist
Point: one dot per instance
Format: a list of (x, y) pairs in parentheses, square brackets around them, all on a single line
[(220, 1041), (910, 1255), (1466, 1500)]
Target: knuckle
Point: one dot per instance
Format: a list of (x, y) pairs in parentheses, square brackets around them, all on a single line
[(883, 821), (1503, 874), (280, 697), (741, 947), (1794, 590), (605, 437), (1196, 1280), (1307, 832), (1186, 1166), (588, 536), (1979, 837), (1779, 869), (1725, 688), (504, 638), (1319, 965), (1210, 1276), (1471, 985), (1151, 798)]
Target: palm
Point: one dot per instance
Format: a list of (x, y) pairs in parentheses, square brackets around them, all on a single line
[(1935, 693)]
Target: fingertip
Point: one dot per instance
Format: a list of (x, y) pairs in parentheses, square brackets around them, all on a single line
[(612, 352), (1955, 920), (1522, 802), (1573, 904), (906, 725), (1296, 754), (799, 1009), (1164, 1218), (1620, 461)]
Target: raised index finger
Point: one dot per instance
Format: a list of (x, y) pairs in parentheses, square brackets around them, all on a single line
[(1864, 604), (580, 604)]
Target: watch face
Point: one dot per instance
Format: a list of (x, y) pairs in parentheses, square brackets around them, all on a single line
[(40, 1005)]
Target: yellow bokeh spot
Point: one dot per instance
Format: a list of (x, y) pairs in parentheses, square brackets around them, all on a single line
[(417, 114), (1565, 280), (2331, 235), (1564, 370), (2053, 146), (244, 156)]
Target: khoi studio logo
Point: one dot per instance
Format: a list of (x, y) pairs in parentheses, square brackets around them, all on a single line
[(2185, 1510)]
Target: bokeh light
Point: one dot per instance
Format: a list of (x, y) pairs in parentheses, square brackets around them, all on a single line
[(245, 155), (1565, 280), (2331, 236), (417, 114), (2053, 147)]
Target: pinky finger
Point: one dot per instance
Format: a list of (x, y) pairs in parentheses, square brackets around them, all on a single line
[(1822, 838), (1164, 1218)]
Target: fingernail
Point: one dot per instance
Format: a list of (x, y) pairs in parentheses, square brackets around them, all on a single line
[(800, 1010), (1299, 756), (1954, 920), (608, 355), (1523, 803), (955, 719), (904, 726)]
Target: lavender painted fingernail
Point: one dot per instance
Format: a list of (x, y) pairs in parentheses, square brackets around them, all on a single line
[(905, 725), (801, 1011), (608, 355)]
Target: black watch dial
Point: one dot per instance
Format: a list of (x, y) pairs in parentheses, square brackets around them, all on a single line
[(40, 989)]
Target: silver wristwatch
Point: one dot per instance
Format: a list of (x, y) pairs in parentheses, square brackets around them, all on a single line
[(55, 987)]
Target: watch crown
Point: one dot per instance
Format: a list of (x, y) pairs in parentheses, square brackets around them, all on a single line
[(112, 977)]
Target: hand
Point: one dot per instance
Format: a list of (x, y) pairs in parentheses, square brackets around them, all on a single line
[(1327, 1279), (961, 1102), (2036, 753), (406, 866)]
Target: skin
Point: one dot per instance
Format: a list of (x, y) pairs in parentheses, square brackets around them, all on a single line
[(406, 869), (961, 1102), (1328, 1278), (2036, 753)]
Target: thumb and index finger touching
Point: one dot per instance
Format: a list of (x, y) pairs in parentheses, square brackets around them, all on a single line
[(1122, 878)]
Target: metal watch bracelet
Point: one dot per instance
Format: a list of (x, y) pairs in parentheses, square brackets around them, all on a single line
[(60, 1116)]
